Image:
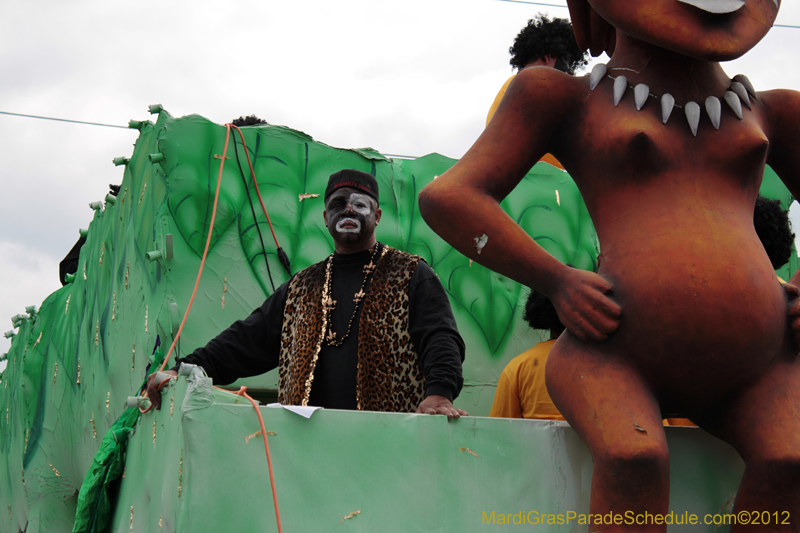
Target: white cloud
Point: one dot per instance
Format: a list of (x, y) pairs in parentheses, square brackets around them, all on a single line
[(409, 77), (27, 276)]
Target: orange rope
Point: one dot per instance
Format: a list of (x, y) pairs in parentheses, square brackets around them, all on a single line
[(199, 272), (205, 252), (243, 392), (253, 173)]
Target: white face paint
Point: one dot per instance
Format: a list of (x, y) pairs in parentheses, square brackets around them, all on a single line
[(361, 204), (350, 214), (355, 229)]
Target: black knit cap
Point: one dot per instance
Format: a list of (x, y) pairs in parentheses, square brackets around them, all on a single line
[(354, 179)]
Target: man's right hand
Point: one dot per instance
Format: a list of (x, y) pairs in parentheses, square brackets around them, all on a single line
[(584, 307), (154, 388)]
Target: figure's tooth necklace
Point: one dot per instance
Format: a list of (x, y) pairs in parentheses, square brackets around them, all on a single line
[(740, 91), (328, 303)]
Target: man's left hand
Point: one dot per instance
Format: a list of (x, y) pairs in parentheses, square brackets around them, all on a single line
[(439, 405)]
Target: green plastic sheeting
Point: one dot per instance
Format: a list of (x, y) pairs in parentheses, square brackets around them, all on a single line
[(73, 363), (394, 473), (96, 499)]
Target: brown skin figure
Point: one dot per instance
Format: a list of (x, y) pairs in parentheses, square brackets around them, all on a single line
[(685, 316)]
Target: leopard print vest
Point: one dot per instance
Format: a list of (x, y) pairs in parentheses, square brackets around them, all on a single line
[(389, 377)]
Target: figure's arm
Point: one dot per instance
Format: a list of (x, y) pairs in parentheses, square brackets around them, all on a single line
[(782, 109), (438, 343), (463, 205), (247, 348)]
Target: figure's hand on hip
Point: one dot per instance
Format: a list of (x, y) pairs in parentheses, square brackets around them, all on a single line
[(154, 388), (584, 306), (439, 405)]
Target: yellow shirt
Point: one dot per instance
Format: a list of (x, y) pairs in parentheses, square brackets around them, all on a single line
[(522, 393), (548, 158), (497, 99)]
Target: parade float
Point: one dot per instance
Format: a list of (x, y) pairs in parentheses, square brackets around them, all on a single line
[(199, 463)]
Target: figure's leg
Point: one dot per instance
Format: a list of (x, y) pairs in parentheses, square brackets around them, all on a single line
[(763, 424), (610, 406)]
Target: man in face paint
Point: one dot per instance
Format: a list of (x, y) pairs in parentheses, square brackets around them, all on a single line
[(351, 218), (368, 328)]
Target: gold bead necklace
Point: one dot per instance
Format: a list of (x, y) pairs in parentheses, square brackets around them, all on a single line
[(329, 304)]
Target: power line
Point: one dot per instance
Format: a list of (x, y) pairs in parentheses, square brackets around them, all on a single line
[(565, 7), (126, 127), (398, 156), (64, 120)]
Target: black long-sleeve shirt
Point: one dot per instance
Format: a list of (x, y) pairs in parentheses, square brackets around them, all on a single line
[(251, 346)]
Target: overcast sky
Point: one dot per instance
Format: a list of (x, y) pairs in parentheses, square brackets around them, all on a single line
[(407, 77)]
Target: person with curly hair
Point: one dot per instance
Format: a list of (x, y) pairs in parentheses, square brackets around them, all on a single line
[(250, 120), (550, 41), (543, 42), (546, 43), (521, 391), (773, 228)]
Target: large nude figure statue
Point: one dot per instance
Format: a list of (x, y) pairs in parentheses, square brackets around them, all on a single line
[(685, 317)]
